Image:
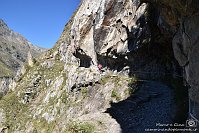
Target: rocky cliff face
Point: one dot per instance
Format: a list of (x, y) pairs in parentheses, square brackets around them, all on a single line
[(119, 35), (64, 90), (13, 53)]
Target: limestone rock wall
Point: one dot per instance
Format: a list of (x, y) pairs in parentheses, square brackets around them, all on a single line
[(130, 39), (118, 35)]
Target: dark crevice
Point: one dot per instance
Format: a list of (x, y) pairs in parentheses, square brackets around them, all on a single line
[(117, 63), (85, 60), (119, 21), (77, 87)]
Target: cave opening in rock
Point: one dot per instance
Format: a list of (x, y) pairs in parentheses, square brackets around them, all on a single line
[(151, 60), (113, 64), (85, 60)]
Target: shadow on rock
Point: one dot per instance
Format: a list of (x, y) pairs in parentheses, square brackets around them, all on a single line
[(153, 103)]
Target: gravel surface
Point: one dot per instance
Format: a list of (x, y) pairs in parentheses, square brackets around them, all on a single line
[(152, 103)]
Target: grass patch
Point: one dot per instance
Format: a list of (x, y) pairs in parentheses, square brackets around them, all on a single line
[(132, 80), (42, 125), (114, 94), (79, 127), (5, 71), (129, 91), (64, 97), (16, 112), (54, 71), (84, 91)]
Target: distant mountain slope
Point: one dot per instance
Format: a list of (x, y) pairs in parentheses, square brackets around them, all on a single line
[(13, 50)]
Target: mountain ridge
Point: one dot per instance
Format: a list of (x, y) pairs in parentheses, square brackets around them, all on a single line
[(14, 49)]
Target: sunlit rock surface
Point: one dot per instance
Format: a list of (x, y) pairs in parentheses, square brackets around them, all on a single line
[(64, 90)]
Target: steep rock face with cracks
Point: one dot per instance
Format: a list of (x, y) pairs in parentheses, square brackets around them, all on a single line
[(104, 50)]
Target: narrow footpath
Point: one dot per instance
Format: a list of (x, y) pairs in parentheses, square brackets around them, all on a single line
[(153, 104)]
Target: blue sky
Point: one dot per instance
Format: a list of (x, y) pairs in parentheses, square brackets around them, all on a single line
[(40, 21)]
